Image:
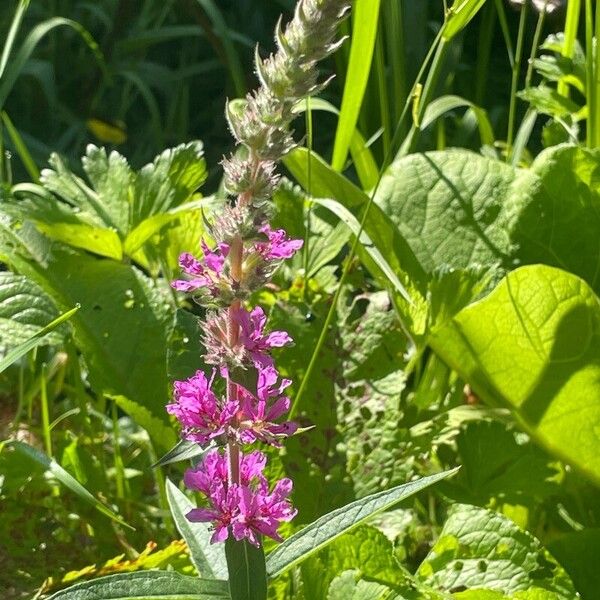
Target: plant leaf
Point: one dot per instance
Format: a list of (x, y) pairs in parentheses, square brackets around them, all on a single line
[(145, 585), (533, 345), (65, 478), (247, 575), (365, 18), (342, 520), (208, 558), (183, 450), (34, 340), (479, 548)]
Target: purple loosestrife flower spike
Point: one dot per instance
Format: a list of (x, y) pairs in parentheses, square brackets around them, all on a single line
[(239, 501)]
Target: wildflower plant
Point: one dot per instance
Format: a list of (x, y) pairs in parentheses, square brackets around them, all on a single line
[(240, 503)]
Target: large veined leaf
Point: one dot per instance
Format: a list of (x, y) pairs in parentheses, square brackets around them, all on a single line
[(145, 585), (479, 548), (24, 310), (461, 210), (208, 558), (329, 527), (122, 327), (533, 345), (168, 181)]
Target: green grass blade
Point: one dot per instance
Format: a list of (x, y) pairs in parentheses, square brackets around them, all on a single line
[(459, 16), (364, 34), (571, 26), (12, 34), (34, 340), (15, 66), (49, 464), (21, 149), (331, 526), (233, 59)]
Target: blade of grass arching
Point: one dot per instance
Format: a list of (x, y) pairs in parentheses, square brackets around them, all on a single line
[(21, 149), (233, 60), (34, 340), (50, 465), (364, 33), (362, 157), (14, 66), (459, 16), (384, 105), (150, 101), (12, 33), (515, 79), (571, 27)]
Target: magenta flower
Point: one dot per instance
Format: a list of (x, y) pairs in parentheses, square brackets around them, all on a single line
[(213, 471), (247, 508), (262, 513), (205, 273), (254, 339), (258, 413), (201, 414), (279, 245)]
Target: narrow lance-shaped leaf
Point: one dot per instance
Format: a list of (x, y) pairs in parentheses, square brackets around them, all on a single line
[(183, 450), (331, 526), (145, 585), (36, 339), (247, 572), (208, 558), (65, 478), (364, 34)]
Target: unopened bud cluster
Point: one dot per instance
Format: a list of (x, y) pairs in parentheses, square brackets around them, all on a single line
[(246, 251)]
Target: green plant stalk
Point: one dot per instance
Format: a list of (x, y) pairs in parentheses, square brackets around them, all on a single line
[(45, 412), (163, 500), (12, 33), (590, 70), (571, 27), (534, 45), (309, 145), (505, 31), (21, 149), (515, 78), (117, 457)]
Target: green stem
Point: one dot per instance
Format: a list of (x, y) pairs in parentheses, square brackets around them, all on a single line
[(534, 45), (596, 79), (515, 78), (118, 458), (384, 107), (484, 49), (45, 412), (589, 76), (309, 146), (571, 27)]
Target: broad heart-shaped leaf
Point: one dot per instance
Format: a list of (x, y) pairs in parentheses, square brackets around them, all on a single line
[(329, 527), (246, 566), (533, 345), (121, 329), (208, 558), (168, 181), (461, 210), (479, 548), (49, 464), (145, 585), (24, 310)]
